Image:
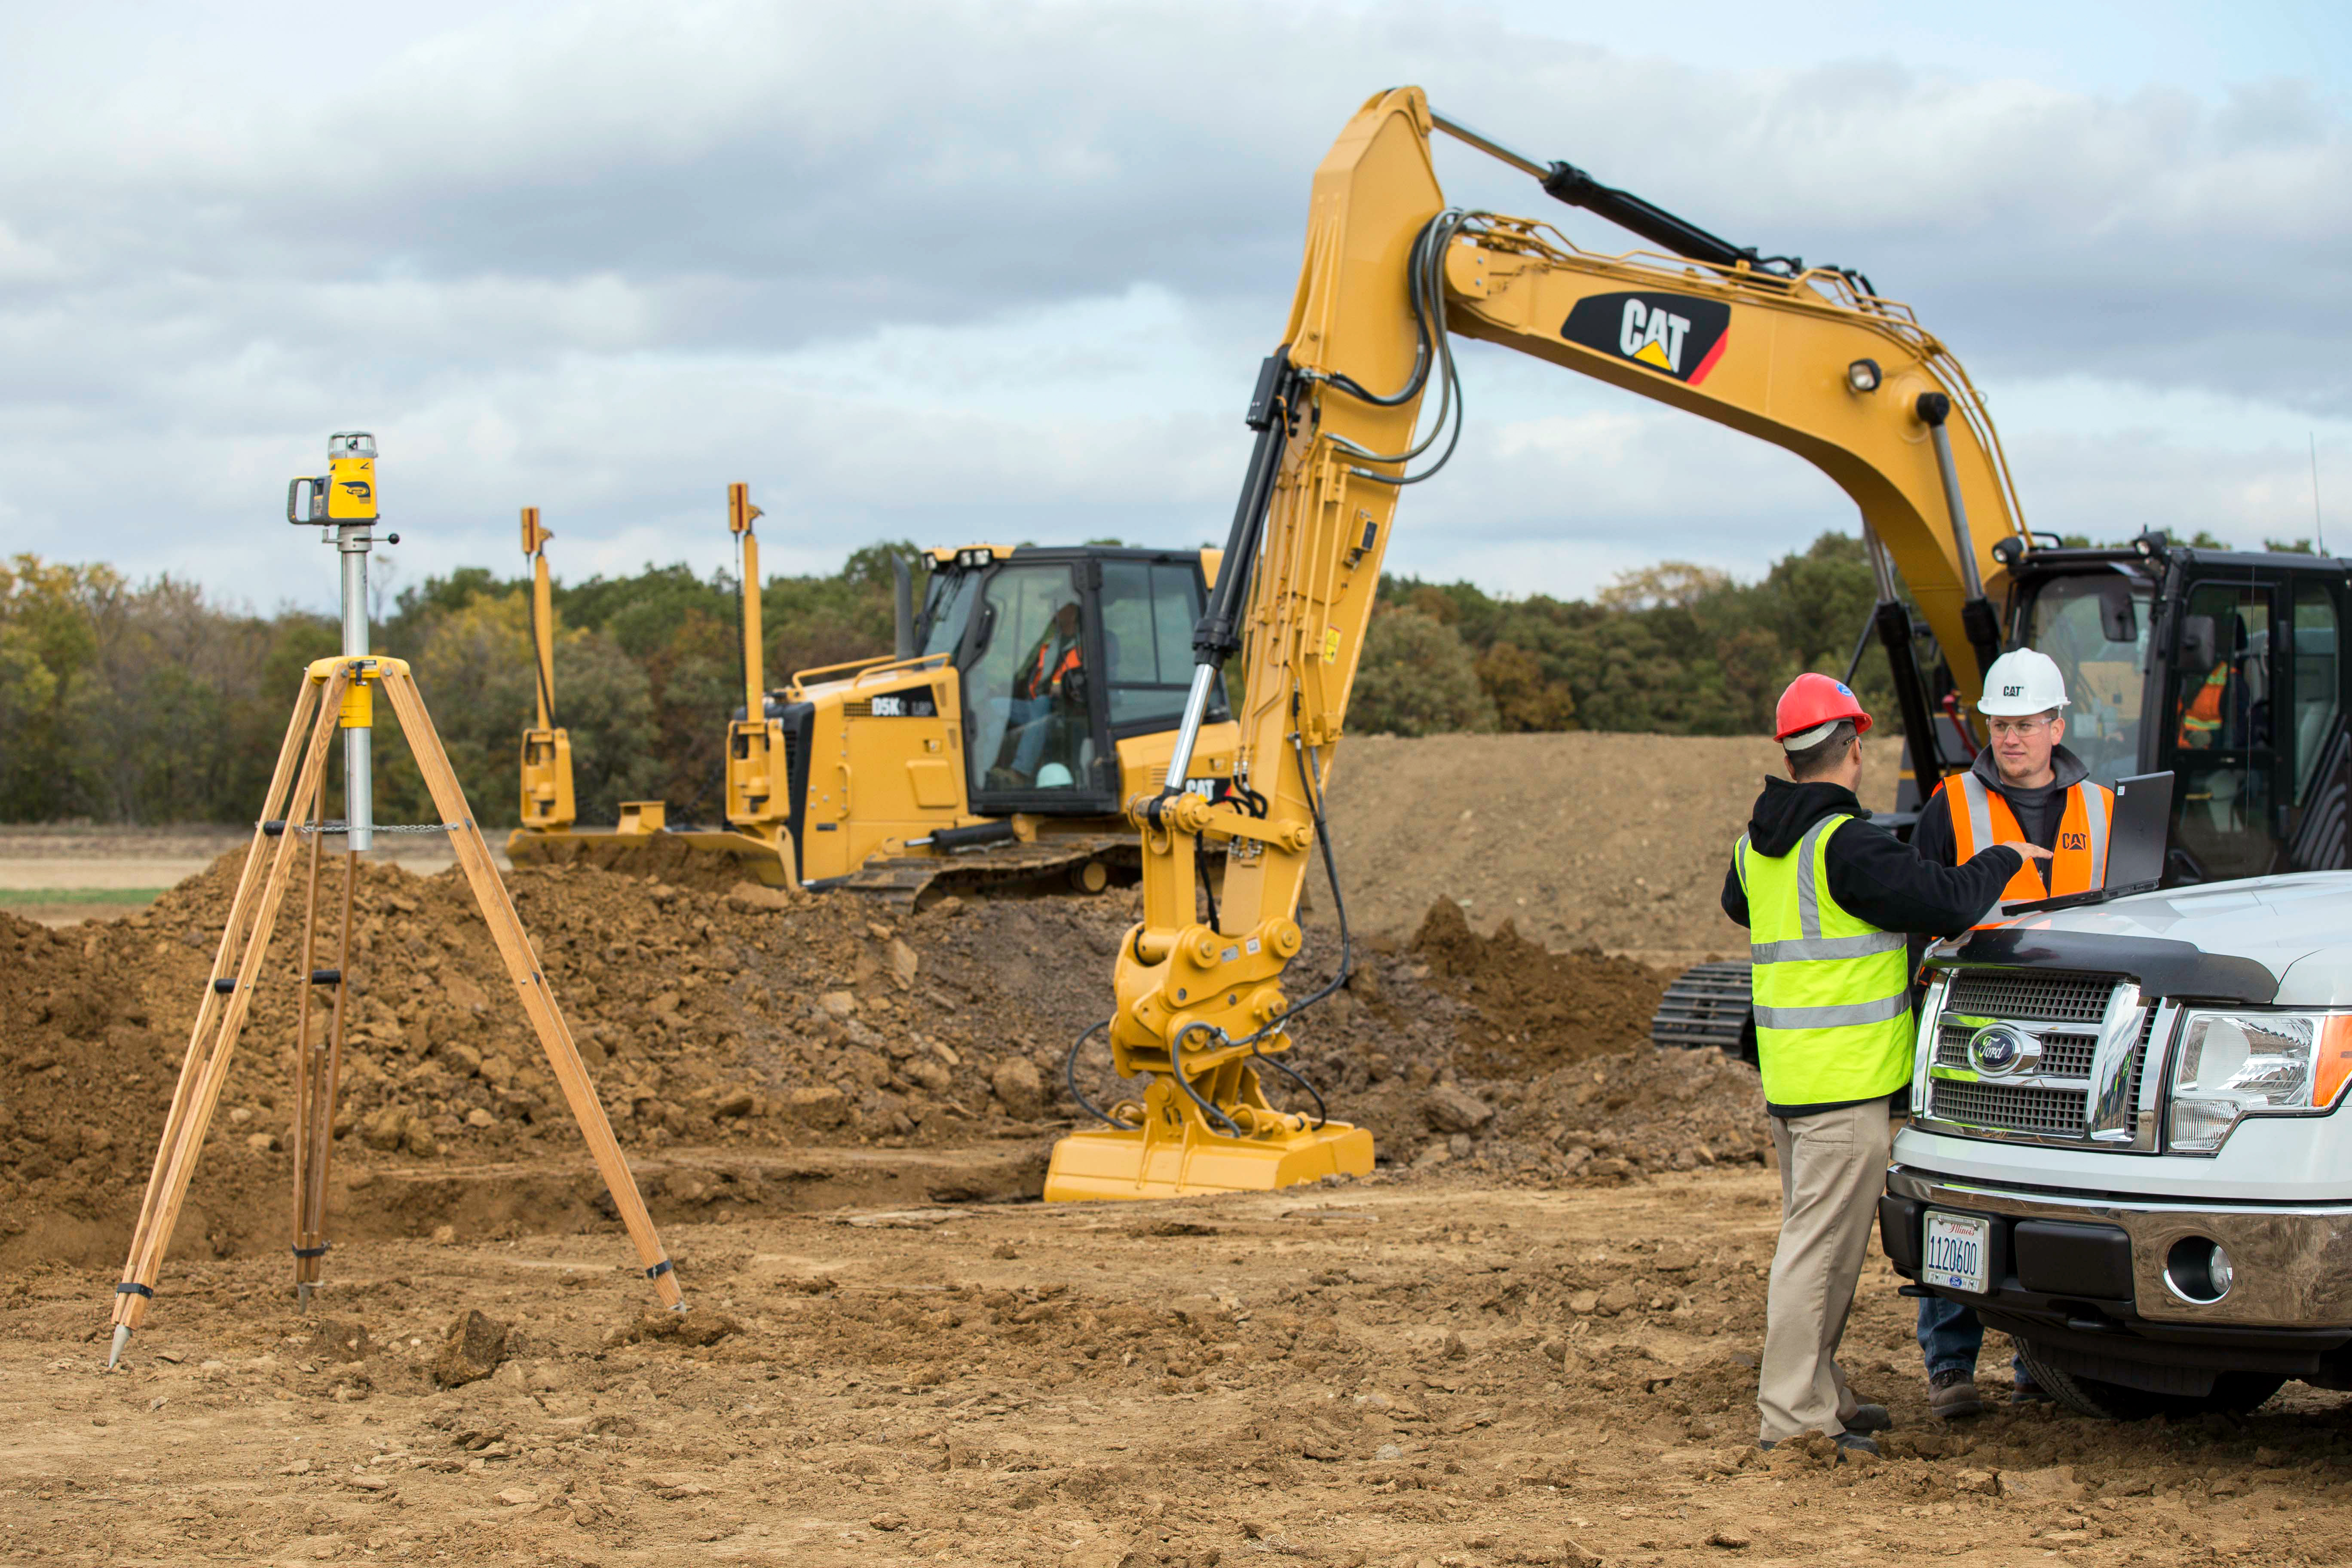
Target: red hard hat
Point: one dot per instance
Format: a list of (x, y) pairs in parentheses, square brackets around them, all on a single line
[(1813, 701)]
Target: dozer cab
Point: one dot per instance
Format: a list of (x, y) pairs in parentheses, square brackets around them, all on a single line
[(1032, 692)]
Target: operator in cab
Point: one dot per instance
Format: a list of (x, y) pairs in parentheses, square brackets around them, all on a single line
[(2026, 785), (1042, 684), (1828, 899)]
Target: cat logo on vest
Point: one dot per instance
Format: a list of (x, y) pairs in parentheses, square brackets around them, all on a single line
[(1676, 334)]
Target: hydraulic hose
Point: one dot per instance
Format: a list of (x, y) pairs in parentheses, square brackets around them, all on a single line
[(1183, 1081), (1070, 1074)]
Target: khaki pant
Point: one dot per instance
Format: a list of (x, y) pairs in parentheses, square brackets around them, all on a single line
[(1833, 1168)]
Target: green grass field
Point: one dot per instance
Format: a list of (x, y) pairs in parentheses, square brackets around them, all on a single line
[(12, 898)]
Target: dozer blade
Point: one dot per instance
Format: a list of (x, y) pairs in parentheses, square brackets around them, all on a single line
[(1125, 1163)]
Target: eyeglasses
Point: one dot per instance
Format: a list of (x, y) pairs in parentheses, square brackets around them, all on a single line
[(2018, 727)]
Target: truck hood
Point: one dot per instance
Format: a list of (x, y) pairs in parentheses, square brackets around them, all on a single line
[(2297, 928)]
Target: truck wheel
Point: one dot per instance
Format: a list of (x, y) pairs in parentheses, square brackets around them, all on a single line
[(2234, 1393)]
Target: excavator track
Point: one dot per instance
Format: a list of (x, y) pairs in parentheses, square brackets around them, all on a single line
[(907, 878), (1707, 1005)]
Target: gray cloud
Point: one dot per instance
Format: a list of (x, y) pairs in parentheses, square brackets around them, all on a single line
[(914, 263)]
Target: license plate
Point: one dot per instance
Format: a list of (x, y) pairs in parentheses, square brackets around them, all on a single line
[(1957, 1252)]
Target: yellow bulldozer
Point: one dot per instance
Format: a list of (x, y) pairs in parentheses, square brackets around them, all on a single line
[(1032, 692)]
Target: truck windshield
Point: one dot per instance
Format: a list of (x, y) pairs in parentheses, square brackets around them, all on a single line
[(2096, 628)]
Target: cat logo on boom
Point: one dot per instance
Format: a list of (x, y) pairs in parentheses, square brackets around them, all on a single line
[(1677, 334)]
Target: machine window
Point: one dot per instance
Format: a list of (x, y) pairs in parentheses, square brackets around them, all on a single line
[(948, 610), (1148, 609), (1026, 686), (2318, 685), (2095, 629), (2221, 715)]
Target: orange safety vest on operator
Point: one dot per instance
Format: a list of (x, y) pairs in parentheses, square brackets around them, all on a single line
[(1981, 818), (1048, 675)]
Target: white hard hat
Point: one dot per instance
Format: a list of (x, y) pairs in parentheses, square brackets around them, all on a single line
[(2022, 681), (1053, 775)]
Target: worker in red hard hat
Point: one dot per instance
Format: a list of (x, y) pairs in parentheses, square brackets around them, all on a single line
[(1828, 899)]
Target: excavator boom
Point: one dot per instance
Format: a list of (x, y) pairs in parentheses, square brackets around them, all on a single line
[(1808, 359)]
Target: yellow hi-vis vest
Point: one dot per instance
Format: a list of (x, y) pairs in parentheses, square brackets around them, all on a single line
[(1832, 991)]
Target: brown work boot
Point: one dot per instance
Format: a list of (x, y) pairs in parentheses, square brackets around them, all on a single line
[(1952, 1394)]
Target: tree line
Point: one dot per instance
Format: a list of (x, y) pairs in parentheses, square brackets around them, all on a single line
[(155, 703)]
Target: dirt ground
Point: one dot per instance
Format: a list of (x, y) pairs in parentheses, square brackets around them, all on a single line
[(1413, 1371), (1529, 1337)]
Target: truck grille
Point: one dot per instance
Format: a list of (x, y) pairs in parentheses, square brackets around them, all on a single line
[(2055, 1108), (2051, 1112), (2063, 1054), (2048, 998)]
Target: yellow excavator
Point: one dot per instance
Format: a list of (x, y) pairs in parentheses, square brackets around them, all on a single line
[(1031, 693), (1812, 359)]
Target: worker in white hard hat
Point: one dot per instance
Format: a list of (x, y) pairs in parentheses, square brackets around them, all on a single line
[(2024, 785)]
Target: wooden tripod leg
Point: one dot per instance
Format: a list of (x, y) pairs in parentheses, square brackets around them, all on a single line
[(305, 1086), (522, 964), (207, 1068), (132, 1293), (327, 1076)]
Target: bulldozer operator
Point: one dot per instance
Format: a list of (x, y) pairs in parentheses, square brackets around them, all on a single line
[(2026, 785), (1050, 678), (1828, 898)]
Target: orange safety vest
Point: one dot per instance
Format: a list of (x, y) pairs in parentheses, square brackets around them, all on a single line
[(1043, 678), (1981, 818), (2200, 722)]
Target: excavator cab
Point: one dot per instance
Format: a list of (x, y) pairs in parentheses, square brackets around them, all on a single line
[(2226, 670)]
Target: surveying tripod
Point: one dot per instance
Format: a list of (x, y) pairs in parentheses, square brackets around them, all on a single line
[(337, 694)]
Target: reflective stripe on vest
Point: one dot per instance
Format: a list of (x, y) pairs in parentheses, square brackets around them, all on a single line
[(1832, 991), (2079, 863)]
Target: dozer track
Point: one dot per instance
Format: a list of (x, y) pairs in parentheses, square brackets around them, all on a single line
[(1707, 1005), (905, 879)]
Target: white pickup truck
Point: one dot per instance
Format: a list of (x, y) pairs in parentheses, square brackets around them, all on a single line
[(2126, 1151)]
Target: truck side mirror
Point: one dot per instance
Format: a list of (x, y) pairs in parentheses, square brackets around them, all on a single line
[(2196, 645)]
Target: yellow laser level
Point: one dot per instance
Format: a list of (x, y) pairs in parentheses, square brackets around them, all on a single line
[(346, 493)]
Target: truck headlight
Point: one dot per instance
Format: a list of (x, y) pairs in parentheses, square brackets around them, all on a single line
[(2232, 1064)]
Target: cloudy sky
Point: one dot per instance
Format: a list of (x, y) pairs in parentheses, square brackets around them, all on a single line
[(917, 268)]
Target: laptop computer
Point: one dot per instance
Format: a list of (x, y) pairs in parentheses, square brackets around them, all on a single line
[(2137, 835)]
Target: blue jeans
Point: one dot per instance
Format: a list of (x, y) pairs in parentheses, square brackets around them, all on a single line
[(1951, 1336)]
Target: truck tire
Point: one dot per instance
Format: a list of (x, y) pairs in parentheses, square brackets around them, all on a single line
[(2234, 1393)]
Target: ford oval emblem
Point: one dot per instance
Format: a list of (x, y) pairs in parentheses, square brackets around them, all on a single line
[(1998, 1050)]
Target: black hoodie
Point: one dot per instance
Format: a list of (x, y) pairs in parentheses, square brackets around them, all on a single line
[(1871, 873)]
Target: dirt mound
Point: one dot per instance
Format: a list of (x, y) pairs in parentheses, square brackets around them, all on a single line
[(1586, 840), (665, 859), (746, 1018), (1542, 1009)]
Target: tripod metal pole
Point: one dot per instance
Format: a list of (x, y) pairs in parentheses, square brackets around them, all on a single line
[(354, 540)]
